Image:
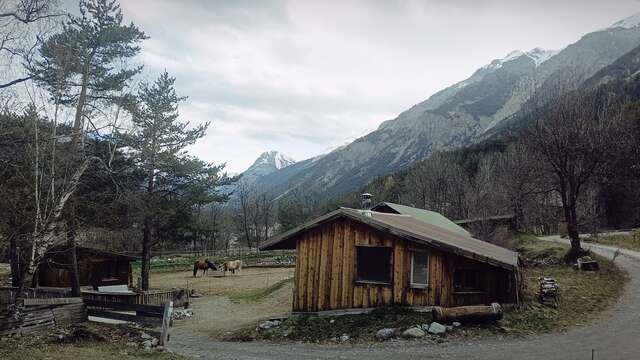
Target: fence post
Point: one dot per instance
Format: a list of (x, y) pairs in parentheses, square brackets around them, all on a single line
[(166, 323)]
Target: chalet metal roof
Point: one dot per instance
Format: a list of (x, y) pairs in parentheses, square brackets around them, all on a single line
[(411, 229), (430, 217)]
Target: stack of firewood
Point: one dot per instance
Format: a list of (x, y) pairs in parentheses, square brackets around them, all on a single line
[(549, 290)]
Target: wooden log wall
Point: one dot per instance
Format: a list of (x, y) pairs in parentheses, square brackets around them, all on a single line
[(325, 275)]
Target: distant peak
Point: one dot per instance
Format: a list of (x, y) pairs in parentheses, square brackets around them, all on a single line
[(538, 55), (628, 23), (275, 158)]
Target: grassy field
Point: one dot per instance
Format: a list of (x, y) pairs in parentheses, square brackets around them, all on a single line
[(583, 295), (257, 295), (631, 241)]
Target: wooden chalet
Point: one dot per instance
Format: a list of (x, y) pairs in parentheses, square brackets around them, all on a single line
[(362, 258), (95, 268)]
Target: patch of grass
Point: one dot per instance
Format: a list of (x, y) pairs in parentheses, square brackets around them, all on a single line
[(583, 294), (631, 241), (258, 294), (362, 327)]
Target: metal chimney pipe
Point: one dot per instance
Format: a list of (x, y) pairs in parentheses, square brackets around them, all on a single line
[(366, 204)]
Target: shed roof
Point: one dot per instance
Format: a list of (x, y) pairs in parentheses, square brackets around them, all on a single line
[(430, 217), (63, 249), (411, 229)]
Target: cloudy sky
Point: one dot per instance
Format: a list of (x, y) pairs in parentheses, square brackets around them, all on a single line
[(304, 76)]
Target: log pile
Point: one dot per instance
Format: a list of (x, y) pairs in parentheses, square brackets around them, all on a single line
[(549, 291)]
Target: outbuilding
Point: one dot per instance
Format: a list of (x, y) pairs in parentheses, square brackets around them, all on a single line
[(95, 268), (363, 258)]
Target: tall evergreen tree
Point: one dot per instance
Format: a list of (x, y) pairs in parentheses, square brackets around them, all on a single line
[(158, 140)]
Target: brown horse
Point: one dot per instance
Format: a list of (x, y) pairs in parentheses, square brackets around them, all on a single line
[(203, 265)]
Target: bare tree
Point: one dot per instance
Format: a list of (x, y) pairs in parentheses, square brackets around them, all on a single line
[(23, 25), (576, 136)]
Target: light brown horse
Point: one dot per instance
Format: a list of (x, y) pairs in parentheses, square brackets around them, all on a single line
[(203, 265), (232, 266)]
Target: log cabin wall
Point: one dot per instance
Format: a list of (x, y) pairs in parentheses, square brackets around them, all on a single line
[(325, 274)]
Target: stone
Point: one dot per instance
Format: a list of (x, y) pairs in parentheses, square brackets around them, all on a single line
[(456, 324), (437, 329), (413, 332), (344, 338), (266, 325), (424, 327), (146, 336), (385, 334), (449, 327), (154, 342), (132, 344)]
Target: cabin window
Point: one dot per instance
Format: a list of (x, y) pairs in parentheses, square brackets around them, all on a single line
[(373, 264), (467, 279), (419, 269)]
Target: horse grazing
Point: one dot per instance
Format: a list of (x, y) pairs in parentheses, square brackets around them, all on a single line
[(203, 265), (232, 266)]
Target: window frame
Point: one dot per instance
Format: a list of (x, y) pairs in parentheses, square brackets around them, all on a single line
[(413, 284), (358, 279)]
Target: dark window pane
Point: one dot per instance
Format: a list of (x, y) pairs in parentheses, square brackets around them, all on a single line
[(420, 268), (467, 280), (374, 264)]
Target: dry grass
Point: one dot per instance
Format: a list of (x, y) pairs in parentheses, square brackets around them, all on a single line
[(81, 341), (583, 295), (93, 351), (250, 279)]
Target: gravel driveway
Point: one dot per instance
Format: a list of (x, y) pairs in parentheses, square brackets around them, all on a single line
[(615, 336)]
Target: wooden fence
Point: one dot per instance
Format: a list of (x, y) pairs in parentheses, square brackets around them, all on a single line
[(39, 314), (179, 297)]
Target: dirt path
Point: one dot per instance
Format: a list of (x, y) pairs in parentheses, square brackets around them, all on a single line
[(616, 336)]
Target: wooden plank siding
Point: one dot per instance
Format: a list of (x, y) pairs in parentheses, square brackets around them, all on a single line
[(325, 275)]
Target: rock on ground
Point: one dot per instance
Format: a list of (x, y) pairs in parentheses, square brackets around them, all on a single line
[(437, 328), (385, 334), (413, 332)]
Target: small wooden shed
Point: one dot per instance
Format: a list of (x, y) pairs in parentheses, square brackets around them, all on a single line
[(95, 267), (360, 259)]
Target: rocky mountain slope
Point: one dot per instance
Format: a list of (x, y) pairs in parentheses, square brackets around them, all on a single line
[(456, 116)]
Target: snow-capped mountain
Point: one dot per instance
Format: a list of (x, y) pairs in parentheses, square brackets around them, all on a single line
[(266, 163), (456, 116)]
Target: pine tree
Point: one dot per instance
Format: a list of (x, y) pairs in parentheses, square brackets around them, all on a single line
[(158, 140)]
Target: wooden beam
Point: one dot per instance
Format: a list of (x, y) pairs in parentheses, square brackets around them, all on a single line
[(54, 301), (166, 323)]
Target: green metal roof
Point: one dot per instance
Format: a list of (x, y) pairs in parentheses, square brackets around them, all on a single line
[(430, 217)]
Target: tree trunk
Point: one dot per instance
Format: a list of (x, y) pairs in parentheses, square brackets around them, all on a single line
[(572, 231), (14, 259), (146, 255), (74, 277)]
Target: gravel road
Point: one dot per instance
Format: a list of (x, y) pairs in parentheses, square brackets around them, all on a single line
[(615, 336)]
